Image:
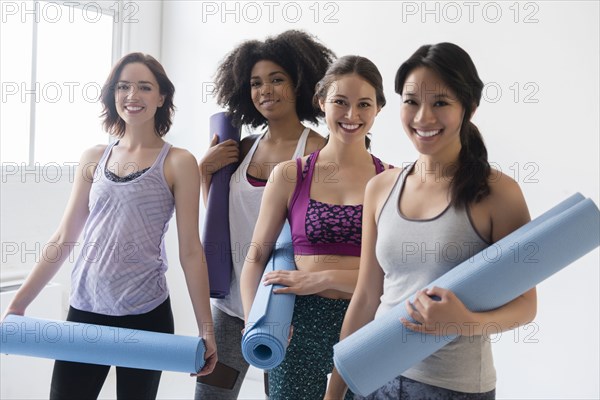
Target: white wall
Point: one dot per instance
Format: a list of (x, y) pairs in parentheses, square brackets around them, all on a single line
[(553, 144)]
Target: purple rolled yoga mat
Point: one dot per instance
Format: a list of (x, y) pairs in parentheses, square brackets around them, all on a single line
[(215, 236)]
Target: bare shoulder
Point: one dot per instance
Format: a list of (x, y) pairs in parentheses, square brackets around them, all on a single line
[(383, 182), (504, 190), (314, 142), (93, 154), (89, 160), (180, 166), (246, 144), (180, 157), (285, 172), (506, 204), (387, 166), (378, 190)]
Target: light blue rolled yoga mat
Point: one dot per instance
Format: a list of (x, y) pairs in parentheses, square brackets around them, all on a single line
[(99, 344), (383, 349), (264, 342)]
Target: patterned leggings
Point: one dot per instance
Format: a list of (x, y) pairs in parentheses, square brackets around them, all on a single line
[(302, 375), (403, 388)]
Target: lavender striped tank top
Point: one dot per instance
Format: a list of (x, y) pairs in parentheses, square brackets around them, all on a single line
[(121, 267)]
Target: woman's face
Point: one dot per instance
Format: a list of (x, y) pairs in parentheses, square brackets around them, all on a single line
[(137, 95), (431, 113), (272, 90), (350, 108)]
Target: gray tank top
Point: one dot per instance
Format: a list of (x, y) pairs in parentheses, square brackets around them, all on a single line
[(413, 253)]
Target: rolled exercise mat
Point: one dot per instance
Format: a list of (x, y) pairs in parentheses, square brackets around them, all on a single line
[(384, 348), (215, 235), (99, 344), (265, 341)]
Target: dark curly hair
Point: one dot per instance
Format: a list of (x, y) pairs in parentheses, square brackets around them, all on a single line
[(457, 70), (298, 53), (163, 118)]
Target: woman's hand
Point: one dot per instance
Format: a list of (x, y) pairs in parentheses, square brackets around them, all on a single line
[(218, 156), (296, 282), (12, 311), (446, 316), (210, 356)]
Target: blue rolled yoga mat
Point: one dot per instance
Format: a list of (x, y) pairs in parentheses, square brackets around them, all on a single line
[(383, 349), (215, 236), (264, 342), (99, 344)]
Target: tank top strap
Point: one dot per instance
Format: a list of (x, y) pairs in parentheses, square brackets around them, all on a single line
[(298, 170), (301, 146), (104, 158), (388, 211), (395, 194), (246, 161), (312, 161), (379, 167), (402, 178), (302, 189), (163, 154)]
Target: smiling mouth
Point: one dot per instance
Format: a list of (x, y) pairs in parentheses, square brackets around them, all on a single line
[(427, 134), (268, 102), (350, 127), (132, 108)]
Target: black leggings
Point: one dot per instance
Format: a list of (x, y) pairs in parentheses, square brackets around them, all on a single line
[(72, 380)]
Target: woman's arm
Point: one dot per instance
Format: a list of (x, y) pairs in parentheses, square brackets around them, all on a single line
[(310, 282), (507, 211), (366, 297), (271, 218), (216, 157), (181, 166), (65, 237)]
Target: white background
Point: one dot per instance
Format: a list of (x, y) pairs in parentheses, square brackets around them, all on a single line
[(549, 146)]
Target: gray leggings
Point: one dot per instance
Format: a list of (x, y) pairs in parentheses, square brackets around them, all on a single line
[(403, 388), (226, 380)]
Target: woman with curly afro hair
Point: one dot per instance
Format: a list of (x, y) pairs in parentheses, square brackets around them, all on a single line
[(268, 84)]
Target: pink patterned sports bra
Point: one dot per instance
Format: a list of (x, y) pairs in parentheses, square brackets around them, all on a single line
[(322, 228)]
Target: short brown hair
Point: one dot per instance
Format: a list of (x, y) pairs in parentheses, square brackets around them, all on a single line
[(112, 122)]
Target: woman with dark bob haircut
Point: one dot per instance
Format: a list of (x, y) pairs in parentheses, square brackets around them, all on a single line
[(448, 198), (113, 123), (123, 198), (268, 84)]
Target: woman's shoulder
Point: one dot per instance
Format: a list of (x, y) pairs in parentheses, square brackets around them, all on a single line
[(505, 205), (385, 179), (179, 158), (381, 184), (94, 153), (386, 166), (504, 189), (247, 143), (90, 158), (314, 142)]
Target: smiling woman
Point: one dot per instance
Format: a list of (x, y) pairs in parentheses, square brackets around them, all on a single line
[(456, 201), (272, 91), (269, 84), (119, 209), (325, 219)]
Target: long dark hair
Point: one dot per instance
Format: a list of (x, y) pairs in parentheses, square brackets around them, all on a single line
[(455, 67), (163, 118), (348, 65)]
